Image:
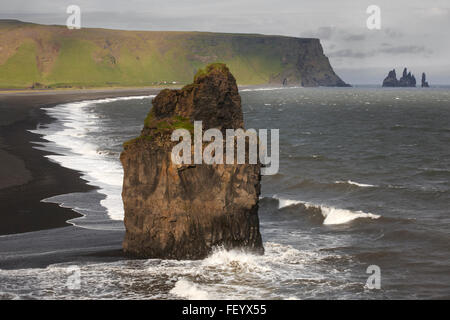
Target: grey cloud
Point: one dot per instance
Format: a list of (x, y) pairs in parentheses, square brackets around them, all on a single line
[(406, 50), (394, 34), (323, 33), (348, 53), (436, 12), (355, 37), (335, 33)]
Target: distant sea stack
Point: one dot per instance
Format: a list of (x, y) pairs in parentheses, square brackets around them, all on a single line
[(407, 80), (44, 56), (424, 81), (183, 211), (391, 79)]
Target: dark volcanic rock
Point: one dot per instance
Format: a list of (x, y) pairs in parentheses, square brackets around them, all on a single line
[(391, 79), (424, 81), (407, 79), (183, 211)]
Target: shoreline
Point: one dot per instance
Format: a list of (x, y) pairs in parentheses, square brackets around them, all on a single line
[(26, 171)]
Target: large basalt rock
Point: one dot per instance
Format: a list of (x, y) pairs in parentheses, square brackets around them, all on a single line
[(184, 211), (407, 79), (424, 81), (391, 79)]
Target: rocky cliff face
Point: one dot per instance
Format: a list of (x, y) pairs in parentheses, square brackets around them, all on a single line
[(306, 65), (42, 56), (183, 211)]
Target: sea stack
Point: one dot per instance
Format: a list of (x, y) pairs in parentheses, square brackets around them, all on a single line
[(424, 81), (407, 79), (391, 79), (184, 211)]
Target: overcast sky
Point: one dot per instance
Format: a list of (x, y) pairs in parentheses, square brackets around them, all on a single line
[(414, 33)]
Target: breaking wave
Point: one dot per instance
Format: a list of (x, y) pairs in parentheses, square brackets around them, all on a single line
[(225, 274), (68, 137), (353, 183), (189, 290), (267, 89), (331, 215)]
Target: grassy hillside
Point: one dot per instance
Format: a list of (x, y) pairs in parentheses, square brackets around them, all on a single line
[(53, 56)]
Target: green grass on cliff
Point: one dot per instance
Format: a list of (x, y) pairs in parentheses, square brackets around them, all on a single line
[(57, 57), (20, 70), (210, 67)]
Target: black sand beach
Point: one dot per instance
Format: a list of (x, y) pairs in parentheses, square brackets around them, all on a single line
[(27, 177), (25, 171)]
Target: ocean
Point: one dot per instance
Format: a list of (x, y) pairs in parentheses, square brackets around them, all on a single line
[(364, 181)]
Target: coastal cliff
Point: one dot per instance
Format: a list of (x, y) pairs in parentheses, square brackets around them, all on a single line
[(183, 211), (41, 56)]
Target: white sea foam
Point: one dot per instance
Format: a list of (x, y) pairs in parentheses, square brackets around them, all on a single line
[(188, 290), (232, 274), (332, 215), (362, 185), (267, 89), (75, 152), (340, 216), (236, 260), (287, 202)]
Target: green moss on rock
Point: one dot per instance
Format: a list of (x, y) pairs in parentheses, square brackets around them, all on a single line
[(221, 67), (137, 139), (173, 123), (149, 119)]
